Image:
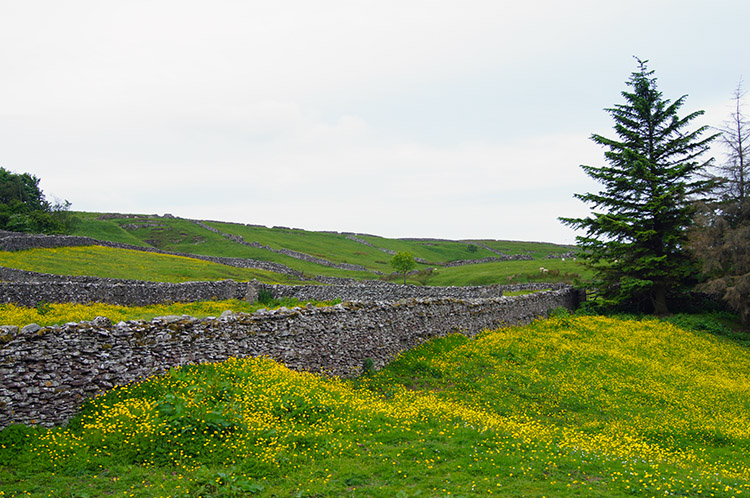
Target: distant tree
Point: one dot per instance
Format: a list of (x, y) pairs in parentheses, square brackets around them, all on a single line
[(635, 240), (722, 238), (403, 262), (23, 207), (22, 188)]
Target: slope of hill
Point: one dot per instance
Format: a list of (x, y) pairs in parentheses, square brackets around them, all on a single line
[(332, 254), (567, 407)]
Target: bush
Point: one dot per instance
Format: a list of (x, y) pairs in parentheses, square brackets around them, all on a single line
[(265, 296)]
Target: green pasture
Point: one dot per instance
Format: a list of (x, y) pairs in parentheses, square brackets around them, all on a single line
[(89, 225), (176, 235), (573, 406), (434, 251), (536, 250), (329, 246), (45, 314), (511, 272), (107, 262)]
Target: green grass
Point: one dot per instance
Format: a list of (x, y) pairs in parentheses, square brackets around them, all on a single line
[(510, 272), (329, 246), (89, 225), (177, 235), (183, 236), (107, 262), (431, 250), (567, 407), (536, 250)]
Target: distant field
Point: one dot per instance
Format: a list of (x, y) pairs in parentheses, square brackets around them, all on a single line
[(534, 249), (184, 236), (107, 262), (177, 235), (511, 272), (432, 250), (330, 246)]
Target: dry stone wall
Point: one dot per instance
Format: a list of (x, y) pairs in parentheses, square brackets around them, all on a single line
[(25, 288), (47, 373)]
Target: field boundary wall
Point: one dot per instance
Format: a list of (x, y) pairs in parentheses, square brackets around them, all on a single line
[(47, 373), (26, 288)]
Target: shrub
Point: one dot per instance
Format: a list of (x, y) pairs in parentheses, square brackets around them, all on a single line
[(265, 296)]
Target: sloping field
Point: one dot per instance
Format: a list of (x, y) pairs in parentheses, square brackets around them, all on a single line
[(107, 262), (185, 236), (571, 406), (432, 250), (511, 272), (333, 247)]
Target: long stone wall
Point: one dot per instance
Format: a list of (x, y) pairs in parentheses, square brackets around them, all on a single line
[(25, 288), (47, 373)]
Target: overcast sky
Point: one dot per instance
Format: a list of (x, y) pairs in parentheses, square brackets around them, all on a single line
[(409, 118)]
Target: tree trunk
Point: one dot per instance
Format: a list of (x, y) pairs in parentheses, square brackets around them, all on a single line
[(659, 300)]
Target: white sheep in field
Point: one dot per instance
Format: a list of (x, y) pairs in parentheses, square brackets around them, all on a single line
[(543, 269)]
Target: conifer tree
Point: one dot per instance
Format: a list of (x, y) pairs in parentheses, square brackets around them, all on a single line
[(635, 238)]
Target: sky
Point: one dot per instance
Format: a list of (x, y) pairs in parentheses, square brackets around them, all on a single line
[(409, 118)]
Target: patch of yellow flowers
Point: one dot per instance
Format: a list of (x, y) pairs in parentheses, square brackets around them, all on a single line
[(60, 313), (644, 400)]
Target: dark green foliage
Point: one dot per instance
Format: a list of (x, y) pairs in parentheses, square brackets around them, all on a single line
[(635, 239), (265, 296), (12, 439), (43, 307), (23, 207)]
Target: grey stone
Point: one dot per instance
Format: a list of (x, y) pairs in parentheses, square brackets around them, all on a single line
[(102, 321), (31, 328), (8, 329)]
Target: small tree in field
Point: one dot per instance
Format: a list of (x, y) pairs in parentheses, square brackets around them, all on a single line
[(636, 238), (403, 262)]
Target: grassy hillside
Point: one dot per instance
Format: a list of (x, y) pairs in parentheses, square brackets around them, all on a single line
[(329, 246), (534, 249), (184, 236), (510, 272), (572, 406), (107, 262)]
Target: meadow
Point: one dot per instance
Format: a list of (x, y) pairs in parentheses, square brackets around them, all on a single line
[(188, 238), (569, 406), (184, 236), (108, 262)]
